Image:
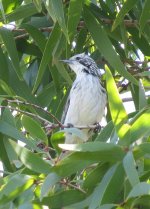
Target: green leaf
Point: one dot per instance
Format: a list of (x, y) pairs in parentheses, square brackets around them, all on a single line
[(47, 185), (142, 96), (13, 132), (82, 35), (4, 72), (77, 132), (105, 186), (34, 128), (63, 72), (117, 110), (144, 15), (16, 185), (104, 45), (141, 127), (74, 13), (6, 88), (130, 169), (105, 132), (92, 147), (95, 176), (22, 11), (47, 55), (4, 156), (145, 147), (56, 139), (140, 189), (37, 35), (38, 4), (144, 73), (87, 153), (127, 6), (62, 199), (10, 45), (108, 206), (30, 159), (58, 11)]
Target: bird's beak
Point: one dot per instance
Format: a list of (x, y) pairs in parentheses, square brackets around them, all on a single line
[(66, 61)]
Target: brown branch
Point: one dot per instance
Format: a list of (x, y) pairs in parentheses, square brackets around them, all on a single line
[(27, 113), (127, 23), (38, 107), (66, 183), (107, 21), (45, 29)]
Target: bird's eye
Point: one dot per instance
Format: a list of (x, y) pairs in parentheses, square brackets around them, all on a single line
[(77, 58)]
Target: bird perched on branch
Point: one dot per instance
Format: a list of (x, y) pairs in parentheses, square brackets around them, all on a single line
[(87, 99)]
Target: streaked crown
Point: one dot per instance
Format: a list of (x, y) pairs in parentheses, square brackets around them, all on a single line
[(83, 63)]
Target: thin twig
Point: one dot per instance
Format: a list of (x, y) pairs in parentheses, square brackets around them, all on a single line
[(5, 172), (38, 107), (73, 186), (26, 113), (128, 23)]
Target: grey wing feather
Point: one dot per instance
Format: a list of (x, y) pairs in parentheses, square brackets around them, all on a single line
[(65, 110)]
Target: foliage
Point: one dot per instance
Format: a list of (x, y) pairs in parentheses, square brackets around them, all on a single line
[(112, 170)]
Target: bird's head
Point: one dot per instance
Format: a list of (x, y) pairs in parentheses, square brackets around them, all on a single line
[(82, 63)]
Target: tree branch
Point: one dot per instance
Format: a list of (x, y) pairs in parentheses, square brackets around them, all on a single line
[(107, 21), (38, 107)]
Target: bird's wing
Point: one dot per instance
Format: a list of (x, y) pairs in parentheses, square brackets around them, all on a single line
[(65, 110)]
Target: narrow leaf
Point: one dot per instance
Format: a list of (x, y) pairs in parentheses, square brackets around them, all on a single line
[(34, 128), (57, 7), (105, 132), (141, 127), (31, 160), (118, 113), (104, 45), (10, 45), (47, 55), (130, 169), (142, 96), (74, 13), (145, 15), (107, 206), (62, 199), (50, 181), (37, 35), (127, 6), (139, 190), (38, 4), (99, 191), (63, 72), (21, 12), (16, 185)]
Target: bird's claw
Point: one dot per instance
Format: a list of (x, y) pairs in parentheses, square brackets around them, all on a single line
[(70, 125), (97, 128)]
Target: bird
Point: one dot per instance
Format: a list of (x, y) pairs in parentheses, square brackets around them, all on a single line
[(86, 101)]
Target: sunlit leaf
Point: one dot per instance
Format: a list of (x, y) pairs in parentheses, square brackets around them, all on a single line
[(127, 6), (10, 45), (117, 110), (104, 45)]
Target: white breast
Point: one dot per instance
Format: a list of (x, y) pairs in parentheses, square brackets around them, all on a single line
[(87, 101)]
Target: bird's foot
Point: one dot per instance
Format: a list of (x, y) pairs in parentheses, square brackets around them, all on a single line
[(70, 125), (97, 128)]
